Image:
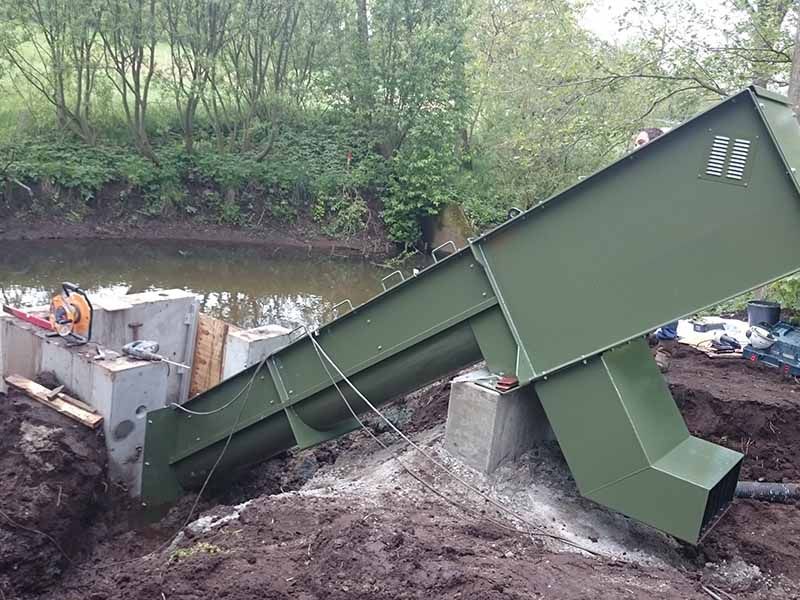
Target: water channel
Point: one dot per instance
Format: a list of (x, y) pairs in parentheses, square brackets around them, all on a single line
[(243, 284)]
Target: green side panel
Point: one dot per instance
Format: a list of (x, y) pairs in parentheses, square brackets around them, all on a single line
[(648, 404), (439, 298), (496, 342), (307, 436), (397, 342), (628, 447), (782, 125), (192, 433), (648, 239), (658, 499), (591, 423), (676, 494), (266, 438), (159, 485)]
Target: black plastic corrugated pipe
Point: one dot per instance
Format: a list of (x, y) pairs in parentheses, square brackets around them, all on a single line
[(770, 492)]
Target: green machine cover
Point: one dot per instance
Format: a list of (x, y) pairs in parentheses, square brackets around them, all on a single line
[(560, 297)]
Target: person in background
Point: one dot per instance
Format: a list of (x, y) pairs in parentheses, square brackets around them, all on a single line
[(664, 337)]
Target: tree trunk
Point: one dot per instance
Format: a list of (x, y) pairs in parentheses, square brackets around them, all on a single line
[(363, 94), (794, 78)]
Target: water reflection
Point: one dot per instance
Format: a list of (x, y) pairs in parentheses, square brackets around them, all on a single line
[(246, 285)]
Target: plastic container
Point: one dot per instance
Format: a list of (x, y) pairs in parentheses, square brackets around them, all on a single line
[(763, 311)]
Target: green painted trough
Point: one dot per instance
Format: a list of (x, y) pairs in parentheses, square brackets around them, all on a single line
[(560, 297)]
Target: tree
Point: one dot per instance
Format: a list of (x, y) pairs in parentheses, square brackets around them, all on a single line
[(130, 33), (51, 43), (541, 116), (197, 32), (794, 76)]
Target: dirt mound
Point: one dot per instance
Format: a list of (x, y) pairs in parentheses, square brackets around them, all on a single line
[(754, 410), (52, 471), (768, 435), (747, 408), (305, 547), (762, 534), (342, 520)]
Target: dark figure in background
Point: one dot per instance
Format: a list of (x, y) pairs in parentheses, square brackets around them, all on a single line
[(665, 337)]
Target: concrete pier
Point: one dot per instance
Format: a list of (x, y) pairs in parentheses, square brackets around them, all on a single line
[(246, 347), (486, 427), (122, 390)]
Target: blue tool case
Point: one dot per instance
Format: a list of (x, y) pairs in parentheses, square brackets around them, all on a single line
[(784, 354)]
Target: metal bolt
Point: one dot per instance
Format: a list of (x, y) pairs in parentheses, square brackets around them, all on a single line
[(146, 464), (380, 347), (484, 294), (197, 439), (291, 391), (471, 265), (150, 421), (144, 504), (188, 416), (585, 361), (545, 377)]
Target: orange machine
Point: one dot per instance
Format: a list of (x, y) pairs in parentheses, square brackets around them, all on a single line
[(71, 314)]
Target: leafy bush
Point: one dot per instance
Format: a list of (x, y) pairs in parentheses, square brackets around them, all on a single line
[(425, 176)]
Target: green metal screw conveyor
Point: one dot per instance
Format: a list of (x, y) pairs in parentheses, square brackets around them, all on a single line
[(560, 297)]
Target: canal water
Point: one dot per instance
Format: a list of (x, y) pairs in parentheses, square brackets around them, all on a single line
[(245, 285)]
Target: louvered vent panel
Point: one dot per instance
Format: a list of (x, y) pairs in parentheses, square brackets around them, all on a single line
[(738, 159), (716, 159)]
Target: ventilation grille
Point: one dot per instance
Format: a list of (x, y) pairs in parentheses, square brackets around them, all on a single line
[(728, 160), (719, 152), (738, 159)]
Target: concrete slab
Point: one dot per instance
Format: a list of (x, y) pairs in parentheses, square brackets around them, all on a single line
[(485, 428)]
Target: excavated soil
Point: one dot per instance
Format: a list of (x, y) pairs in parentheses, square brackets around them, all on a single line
[(336, 522), (52, 478), (753, 409), (747, 407)]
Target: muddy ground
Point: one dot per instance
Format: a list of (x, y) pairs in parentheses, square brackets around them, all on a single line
[(52, 477), (346, 520), (303, 235)]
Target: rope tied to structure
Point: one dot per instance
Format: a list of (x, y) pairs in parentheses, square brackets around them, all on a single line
[(532, 529)]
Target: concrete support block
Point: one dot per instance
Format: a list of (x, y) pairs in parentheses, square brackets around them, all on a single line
[(130, 389), (167, 316), (122, 390), (20, 350), (485, 427), (245, 347)]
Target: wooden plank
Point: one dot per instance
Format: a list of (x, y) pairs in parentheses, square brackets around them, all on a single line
[(76, 402), (40, 393), (209, 351)]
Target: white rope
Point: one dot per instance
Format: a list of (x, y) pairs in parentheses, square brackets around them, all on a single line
[(168, 543), (539, 531), (247, 388), (224, 406)]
